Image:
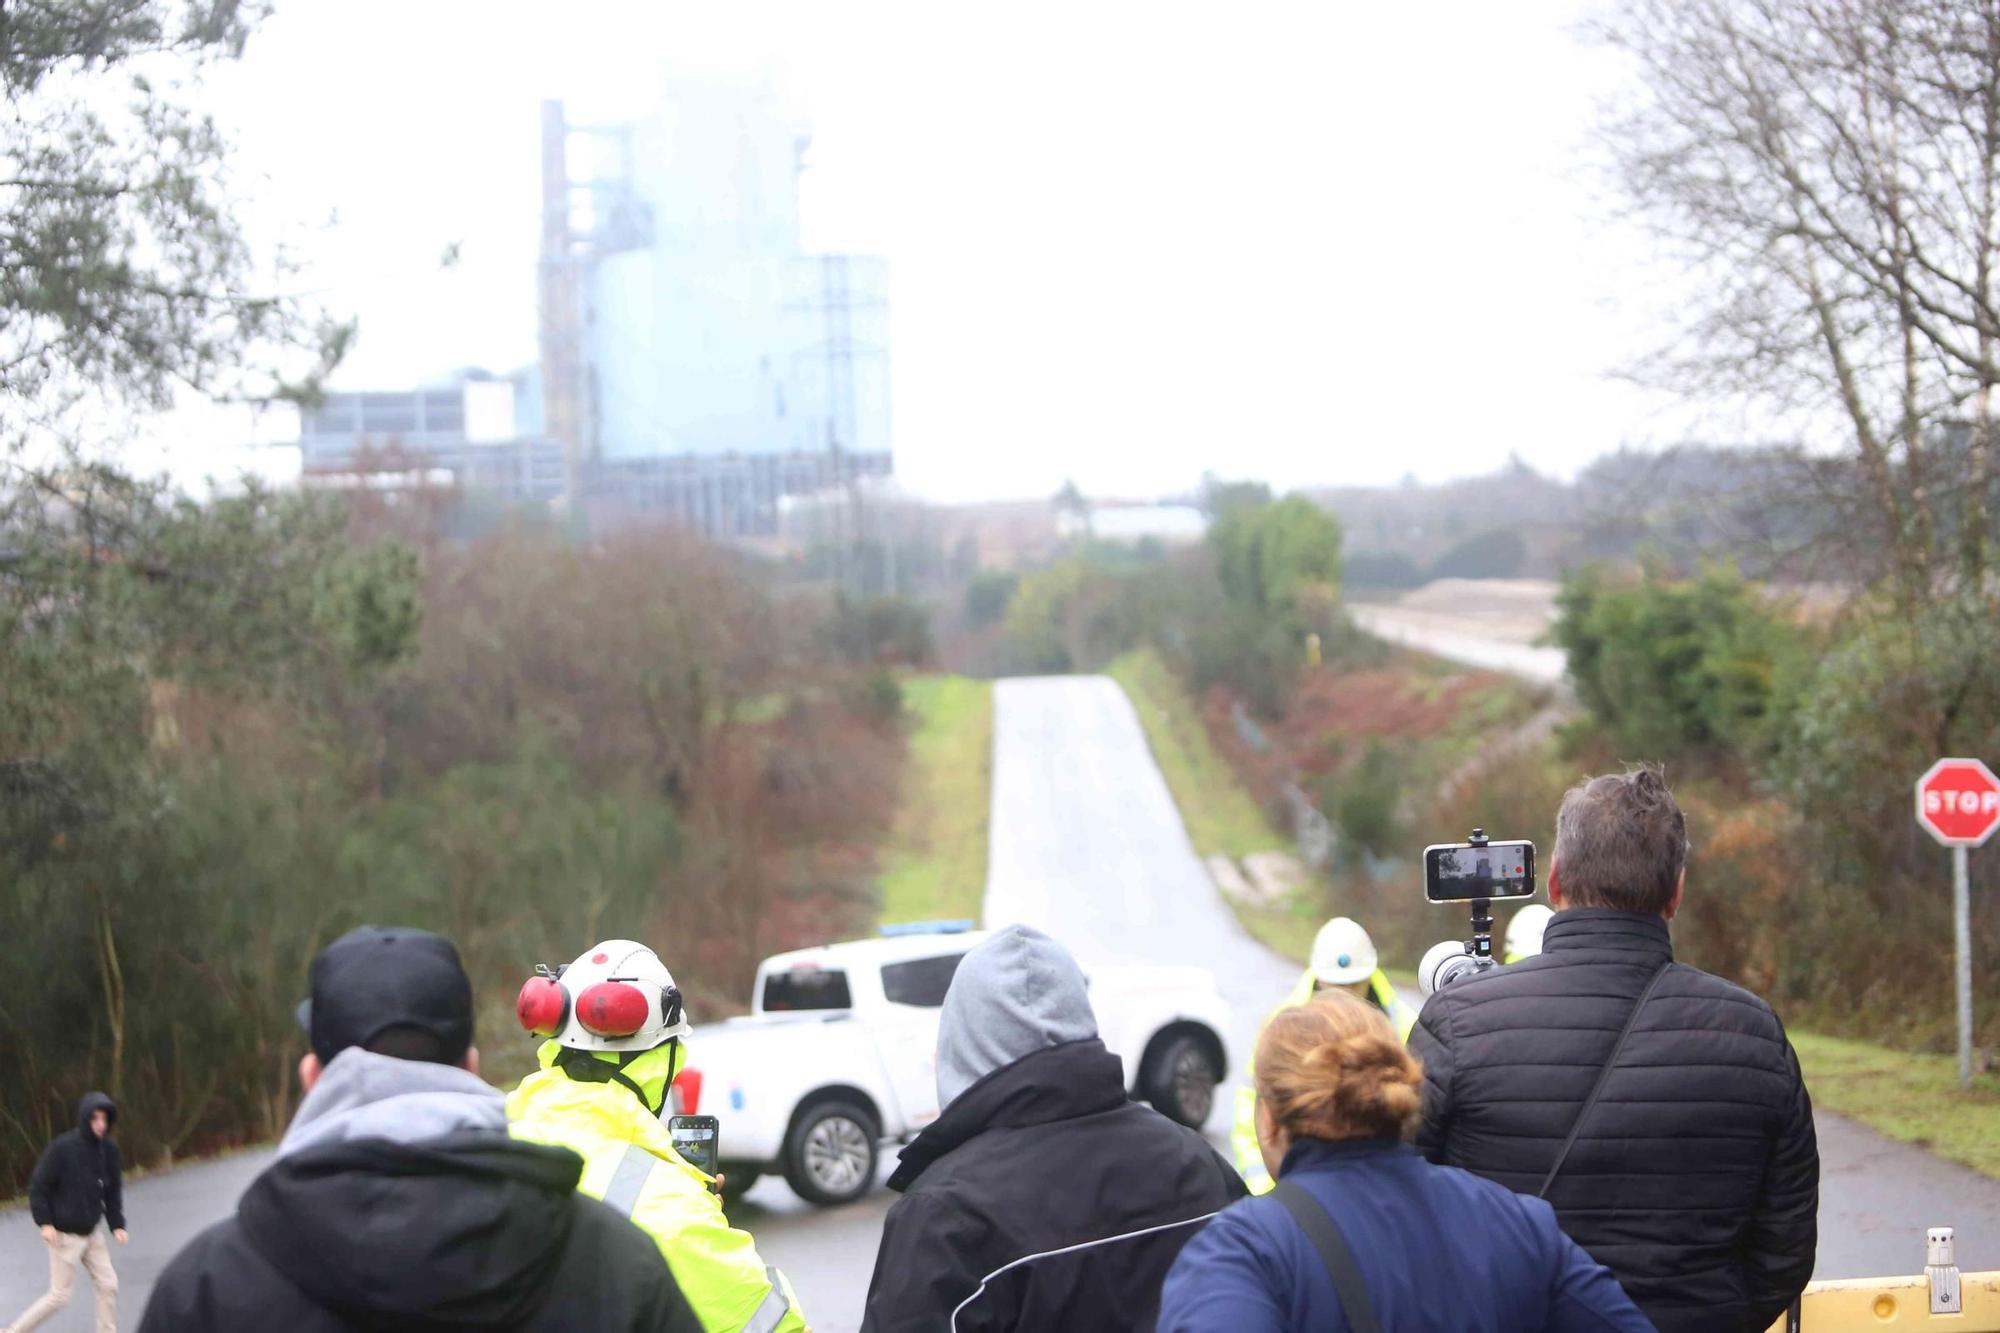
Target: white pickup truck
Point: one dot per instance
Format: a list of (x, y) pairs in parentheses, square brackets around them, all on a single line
[(839, 1054)]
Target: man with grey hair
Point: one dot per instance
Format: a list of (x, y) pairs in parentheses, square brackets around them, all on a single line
[(1658, 1108)]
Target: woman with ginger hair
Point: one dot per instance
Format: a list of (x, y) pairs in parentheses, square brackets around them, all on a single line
[(1417, 1246)]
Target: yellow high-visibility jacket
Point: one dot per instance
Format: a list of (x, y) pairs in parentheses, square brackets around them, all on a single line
[(1243, 1138), (629, 1161)]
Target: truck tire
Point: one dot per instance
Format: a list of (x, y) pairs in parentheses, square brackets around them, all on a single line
[(1179, 1080), (830, 1153)]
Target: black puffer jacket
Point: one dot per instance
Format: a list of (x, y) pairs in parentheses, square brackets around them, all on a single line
[(471, 1230), (1696, 1180), (78, 1183), (1040, 1156)]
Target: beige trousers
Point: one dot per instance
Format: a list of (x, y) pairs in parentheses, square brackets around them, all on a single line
[(92, 1252)]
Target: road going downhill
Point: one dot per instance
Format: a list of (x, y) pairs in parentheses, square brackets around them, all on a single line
[(1086, 844)]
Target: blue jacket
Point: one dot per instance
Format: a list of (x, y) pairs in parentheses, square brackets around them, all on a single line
[(1439, 1249)]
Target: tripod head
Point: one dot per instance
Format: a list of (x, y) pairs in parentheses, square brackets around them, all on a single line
[(1453, 960)]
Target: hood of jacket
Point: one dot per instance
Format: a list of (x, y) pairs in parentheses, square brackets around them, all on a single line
[(362, 1095), (399, 1201), (1064, 1082), (95, 1101), (1017, 993), (463, 1231)]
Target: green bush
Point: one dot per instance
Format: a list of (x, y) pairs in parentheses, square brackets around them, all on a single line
[(987, 595), (1367, 801), (876, 697), (1672, 668)]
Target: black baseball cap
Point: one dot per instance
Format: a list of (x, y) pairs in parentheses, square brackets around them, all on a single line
[(392, 989)]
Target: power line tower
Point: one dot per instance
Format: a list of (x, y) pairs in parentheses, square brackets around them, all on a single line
[(834, 299)]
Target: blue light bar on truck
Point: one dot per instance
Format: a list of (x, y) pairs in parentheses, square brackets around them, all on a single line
[(902, 928)]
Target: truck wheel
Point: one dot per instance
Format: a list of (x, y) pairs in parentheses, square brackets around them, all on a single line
[(1180, 1080), (830, 1153)]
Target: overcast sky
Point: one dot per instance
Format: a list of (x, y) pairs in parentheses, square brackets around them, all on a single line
[(1312, 243)]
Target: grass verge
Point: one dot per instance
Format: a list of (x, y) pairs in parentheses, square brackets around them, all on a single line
[(1221, 818), (1911, 1097), (934, 865)]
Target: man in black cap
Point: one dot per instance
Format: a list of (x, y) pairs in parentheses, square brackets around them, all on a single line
[(398, 1199)]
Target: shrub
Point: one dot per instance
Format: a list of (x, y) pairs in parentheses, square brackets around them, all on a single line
[(987, 595), (1676, 667)]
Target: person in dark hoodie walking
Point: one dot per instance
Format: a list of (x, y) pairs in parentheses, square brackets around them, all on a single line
[(77, 1184), (1042, 1197), (398, 1200)]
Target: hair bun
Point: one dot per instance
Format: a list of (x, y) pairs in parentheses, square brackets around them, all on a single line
[(1333, 1069)]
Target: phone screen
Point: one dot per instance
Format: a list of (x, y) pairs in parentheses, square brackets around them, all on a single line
[(696, 1137), (1458, 873)]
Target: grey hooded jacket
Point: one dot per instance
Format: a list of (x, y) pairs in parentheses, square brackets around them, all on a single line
[(1043, 1196)]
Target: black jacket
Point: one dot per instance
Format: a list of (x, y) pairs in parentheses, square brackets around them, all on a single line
[(77, 1182), (1042, 1155), (471, 1230), (1696, 1181)]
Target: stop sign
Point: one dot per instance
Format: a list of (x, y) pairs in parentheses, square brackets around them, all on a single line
[(1958, 801)]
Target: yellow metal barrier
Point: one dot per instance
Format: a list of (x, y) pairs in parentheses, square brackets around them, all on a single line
[(1855, 1305)]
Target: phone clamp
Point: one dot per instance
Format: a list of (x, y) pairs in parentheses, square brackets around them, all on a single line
[(1481, 947)]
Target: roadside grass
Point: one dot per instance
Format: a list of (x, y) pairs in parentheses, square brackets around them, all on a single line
[(1913, 1098), (1285, 928), (934, 864), (1908, 1096), (1221, 818)]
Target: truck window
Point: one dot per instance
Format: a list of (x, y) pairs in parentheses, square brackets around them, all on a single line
[(921, 981), (807, 988)]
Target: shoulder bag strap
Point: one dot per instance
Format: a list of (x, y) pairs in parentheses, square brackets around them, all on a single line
[(1333, 1252), (1603, 1077)]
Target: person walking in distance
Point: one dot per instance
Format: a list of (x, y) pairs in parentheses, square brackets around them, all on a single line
[(77, 1184), (1658, 1108)]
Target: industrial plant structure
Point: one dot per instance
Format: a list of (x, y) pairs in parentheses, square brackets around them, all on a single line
[(695, 363)]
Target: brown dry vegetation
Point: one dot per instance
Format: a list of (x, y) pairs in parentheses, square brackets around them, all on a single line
[(641, 737)]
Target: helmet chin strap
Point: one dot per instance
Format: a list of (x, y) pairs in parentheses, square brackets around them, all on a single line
[(585, 1067)]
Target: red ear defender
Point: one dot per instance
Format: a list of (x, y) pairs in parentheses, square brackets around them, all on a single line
[(613, 1009), (542, 1006)]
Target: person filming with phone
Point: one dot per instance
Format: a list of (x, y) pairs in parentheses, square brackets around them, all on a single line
[(1361, 1233), (615, 1026), (1658, 1108)]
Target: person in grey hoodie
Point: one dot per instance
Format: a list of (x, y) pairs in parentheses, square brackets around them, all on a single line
[(398, 1200), (1042, 1196)]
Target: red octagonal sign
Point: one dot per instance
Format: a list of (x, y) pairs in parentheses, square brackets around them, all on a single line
[(1958, 801)]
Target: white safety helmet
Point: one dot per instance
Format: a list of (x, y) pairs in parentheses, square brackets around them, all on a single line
[(618, 996), (1342, 953), (1524, 932)]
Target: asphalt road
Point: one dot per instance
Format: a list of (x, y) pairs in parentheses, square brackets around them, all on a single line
[(1449, 637), (1086, 844)]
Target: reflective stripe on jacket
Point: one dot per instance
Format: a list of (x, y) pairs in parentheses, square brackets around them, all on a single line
[(629, 1162), (1243, 1136)]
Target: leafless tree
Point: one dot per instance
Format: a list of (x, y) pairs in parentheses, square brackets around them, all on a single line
[(1830, 172)]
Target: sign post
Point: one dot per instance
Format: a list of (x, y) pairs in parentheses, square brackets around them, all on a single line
[(1958, 803)]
